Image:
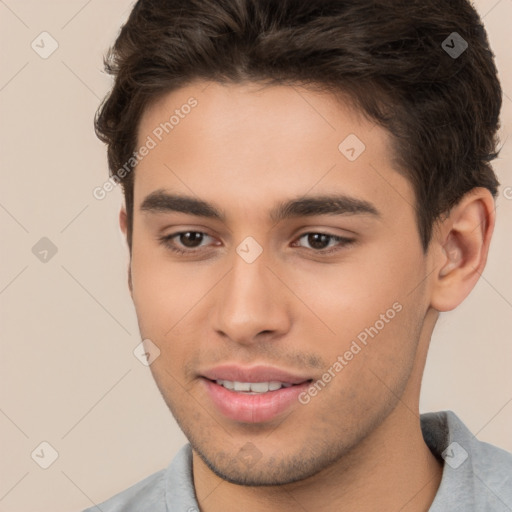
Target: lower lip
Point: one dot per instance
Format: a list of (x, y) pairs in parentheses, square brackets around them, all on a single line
[(249, 408)]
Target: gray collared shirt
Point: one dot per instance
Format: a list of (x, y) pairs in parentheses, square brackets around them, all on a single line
[(477, 476)]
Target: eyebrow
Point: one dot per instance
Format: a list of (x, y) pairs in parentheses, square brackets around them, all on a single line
[(161, 201)]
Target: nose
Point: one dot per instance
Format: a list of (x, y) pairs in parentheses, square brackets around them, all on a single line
[(252, 303)]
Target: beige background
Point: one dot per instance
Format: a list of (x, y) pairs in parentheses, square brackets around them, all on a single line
[(68, 374)]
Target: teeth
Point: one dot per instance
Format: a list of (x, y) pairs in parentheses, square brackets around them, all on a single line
[(259, 387), (253, 387), (227, 384), (273, 385), (242, 386)]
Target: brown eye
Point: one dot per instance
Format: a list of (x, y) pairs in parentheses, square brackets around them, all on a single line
[(187, 241), (319, 242), (189, 238)]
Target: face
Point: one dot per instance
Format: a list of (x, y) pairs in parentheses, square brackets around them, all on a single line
[(277, 267)]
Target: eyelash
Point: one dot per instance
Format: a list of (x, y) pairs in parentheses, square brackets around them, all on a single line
[(167, 242)]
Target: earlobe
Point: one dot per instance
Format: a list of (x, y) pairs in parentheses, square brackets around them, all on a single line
[(461, 248), (130, 286), (123, 220)]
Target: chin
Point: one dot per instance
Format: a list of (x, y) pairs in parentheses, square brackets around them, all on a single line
[(266, 470)]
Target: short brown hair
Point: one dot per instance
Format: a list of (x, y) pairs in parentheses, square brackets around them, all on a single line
[(389, 57)]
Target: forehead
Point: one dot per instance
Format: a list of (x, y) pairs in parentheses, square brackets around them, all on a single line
[(248, 143), (248, 109)]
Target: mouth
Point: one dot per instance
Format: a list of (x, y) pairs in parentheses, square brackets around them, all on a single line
[(255, 395)]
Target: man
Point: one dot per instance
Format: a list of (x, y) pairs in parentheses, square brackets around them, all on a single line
[(307, 187)]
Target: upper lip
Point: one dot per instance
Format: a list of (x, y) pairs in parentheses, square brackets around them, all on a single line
[(235, 373)]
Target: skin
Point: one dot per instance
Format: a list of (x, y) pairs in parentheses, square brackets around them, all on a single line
[(357, 445)]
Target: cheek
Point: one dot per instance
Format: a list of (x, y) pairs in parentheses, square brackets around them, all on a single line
[(157, 289), (387, 313), (374, 303), (169, 297), (352, 294)]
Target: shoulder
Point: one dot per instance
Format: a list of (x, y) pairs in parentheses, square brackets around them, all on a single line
[(477, 476), (493, 466), (168, 489), (138, 497)]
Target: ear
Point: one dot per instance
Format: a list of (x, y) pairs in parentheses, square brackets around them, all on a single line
[(460, 247), (123, 224)]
